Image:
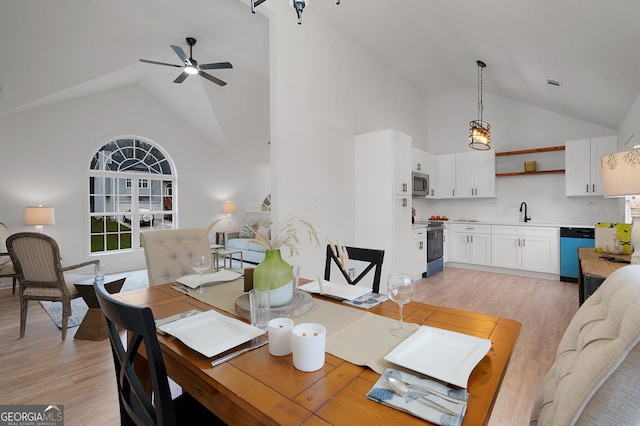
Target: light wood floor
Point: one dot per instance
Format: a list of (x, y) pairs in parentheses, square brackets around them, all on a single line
[(41, 369)]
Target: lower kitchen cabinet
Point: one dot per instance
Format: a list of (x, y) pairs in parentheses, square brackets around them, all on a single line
[(469, 244), (528, 248), (418, 253)]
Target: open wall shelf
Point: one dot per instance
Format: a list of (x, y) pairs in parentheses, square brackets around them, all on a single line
[(531, 151)]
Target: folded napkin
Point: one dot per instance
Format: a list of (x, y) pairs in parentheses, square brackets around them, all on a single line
[(415, 404), (223, 275)]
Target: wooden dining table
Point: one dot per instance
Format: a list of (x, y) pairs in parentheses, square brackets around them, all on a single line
[(258, 388)]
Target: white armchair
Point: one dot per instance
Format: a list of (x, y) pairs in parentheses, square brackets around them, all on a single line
[(168, 252)]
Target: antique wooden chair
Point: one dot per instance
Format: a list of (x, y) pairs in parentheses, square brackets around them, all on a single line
[(372, 256), (137, 405), (36, 259), (6, 266)]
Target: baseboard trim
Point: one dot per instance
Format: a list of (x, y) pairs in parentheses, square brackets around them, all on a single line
[(518, 272)]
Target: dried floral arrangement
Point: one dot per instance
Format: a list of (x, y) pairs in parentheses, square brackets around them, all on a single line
[(286, 235)]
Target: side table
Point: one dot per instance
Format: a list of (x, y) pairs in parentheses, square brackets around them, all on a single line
[(226, 254), (215, 249), (593, 270), (94, 326)]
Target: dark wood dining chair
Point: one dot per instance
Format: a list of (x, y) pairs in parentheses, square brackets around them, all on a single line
[(41, 275), (137, 405), (374, 258)]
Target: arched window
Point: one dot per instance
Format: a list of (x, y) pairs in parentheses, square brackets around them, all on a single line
[(131, 188)]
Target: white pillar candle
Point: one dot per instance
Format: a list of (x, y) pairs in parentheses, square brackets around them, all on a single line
[(280, 336), (308, 344)]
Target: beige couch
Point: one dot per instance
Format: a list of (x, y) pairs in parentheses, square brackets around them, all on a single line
[(595, 379)]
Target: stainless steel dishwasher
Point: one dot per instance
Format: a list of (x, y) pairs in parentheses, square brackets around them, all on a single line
[(570, 240)]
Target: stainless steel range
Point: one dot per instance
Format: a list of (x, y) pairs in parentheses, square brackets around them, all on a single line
[(435, 247)]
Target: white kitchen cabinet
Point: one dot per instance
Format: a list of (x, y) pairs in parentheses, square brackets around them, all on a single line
[(417, 254), (445, 244), (418, 160), (475, 174), (528, 248), (402, 181), (382, 170), (446, 176), (469, 243), (583, 173)]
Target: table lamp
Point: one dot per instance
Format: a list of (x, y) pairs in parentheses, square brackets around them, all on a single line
[(621, 178), (39, 216), (229, 207)]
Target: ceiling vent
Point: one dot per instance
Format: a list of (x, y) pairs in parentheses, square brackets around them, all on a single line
[(554, 83)]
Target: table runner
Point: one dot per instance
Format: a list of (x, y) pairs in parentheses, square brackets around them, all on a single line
[(357, 336)]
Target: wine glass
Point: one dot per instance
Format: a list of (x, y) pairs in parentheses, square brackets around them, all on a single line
[(400, 290), (201, 263)]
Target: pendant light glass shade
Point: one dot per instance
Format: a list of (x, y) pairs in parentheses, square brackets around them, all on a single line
[(479, 130)]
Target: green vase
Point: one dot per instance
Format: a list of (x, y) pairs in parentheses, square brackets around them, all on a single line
[(274, 274)]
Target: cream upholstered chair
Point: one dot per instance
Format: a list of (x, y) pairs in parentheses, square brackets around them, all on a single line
[(595, 379), (36, 258), (6, 266), (168, 252)]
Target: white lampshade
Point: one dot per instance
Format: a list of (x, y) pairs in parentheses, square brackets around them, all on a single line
[(621, 178), (39, 216), (621, 174), (229, 207)]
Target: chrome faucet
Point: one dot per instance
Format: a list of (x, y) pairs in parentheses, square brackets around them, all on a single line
[(526, 218)]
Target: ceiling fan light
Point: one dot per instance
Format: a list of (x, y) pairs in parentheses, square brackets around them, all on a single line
[(191, 70)]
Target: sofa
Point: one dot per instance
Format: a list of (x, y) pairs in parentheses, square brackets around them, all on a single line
[(241, 240)]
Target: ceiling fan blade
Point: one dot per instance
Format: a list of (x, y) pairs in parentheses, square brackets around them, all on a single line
[(181, 54), (216, 66), (181, 78), (212, 78), (160, 63)]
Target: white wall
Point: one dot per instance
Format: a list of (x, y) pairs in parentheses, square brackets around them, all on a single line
[(325, 90), (513, 126), (46, 153), (630, 128)]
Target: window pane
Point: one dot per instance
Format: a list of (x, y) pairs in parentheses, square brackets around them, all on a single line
[(116, 216)]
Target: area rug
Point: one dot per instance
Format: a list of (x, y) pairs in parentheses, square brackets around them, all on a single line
[(134, 281)]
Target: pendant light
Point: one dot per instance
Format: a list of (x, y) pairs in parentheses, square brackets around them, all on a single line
[(479, 134)]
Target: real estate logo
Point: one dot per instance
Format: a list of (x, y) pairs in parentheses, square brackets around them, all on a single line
[(31, 415)]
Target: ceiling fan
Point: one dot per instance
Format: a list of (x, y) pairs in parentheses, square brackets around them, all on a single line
[(191, 65)]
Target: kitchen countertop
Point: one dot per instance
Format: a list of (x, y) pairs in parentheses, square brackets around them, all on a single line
[(507, 223)]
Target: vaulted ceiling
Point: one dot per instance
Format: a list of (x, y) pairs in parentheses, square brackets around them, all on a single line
[(53, 50)]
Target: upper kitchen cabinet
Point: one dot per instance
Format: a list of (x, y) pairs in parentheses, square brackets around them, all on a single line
[(427, 164), (447, 175), (475, 174), (583, 169)]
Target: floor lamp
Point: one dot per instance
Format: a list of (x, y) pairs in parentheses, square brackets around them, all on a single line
[(621, 178)]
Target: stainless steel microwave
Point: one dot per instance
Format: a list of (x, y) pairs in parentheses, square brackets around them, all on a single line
[(420, 184)]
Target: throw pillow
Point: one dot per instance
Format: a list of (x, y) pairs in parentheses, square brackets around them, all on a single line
[(246, 231), (265, 231)]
